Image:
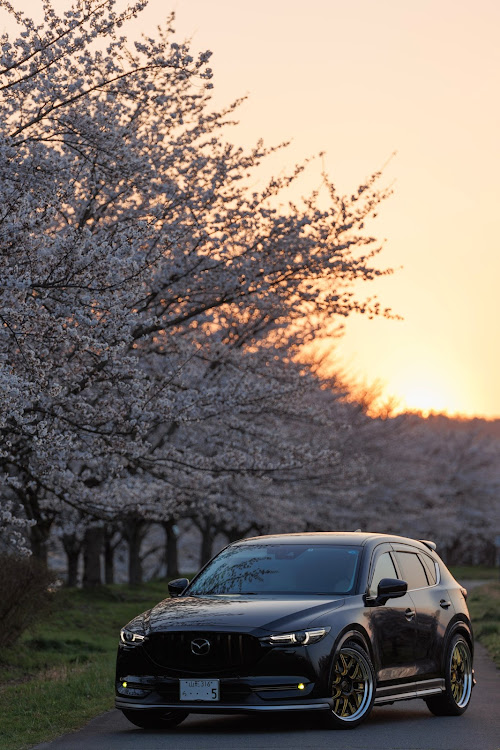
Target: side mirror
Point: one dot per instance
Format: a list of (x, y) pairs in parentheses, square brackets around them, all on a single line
[(176, 587), (390, 588)]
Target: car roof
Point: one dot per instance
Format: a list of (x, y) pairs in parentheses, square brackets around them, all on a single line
[(355, 538)]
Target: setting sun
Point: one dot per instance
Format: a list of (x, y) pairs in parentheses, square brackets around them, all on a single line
[(425, 397)]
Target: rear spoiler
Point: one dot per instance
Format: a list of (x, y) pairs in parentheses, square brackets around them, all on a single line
[(431, 545)]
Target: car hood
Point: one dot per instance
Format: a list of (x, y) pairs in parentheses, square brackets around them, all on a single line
[(240, 613)]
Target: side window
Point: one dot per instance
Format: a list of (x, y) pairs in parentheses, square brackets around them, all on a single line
[(430, 568), (413, 570), (384, 568)]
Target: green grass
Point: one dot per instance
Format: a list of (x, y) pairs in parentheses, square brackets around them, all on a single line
[(484, 606), (62, 673), (475, 573)]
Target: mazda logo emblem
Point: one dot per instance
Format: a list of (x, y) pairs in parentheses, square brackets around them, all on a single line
[(200, 646)]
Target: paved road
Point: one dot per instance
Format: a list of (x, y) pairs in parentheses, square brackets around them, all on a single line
[(403, 726)]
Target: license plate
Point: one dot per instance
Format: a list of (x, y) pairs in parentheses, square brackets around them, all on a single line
[(199, 690)]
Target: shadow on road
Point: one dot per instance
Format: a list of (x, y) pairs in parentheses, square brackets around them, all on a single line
[(278, 724)]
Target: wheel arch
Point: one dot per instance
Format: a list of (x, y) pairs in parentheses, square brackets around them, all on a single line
[(353, 633), (458, 627)]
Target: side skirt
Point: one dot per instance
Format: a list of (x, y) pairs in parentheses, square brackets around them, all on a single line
[(408, 690)]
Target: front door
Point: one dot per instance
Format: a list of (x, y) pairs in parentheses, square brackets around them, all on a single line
[(393, 625)]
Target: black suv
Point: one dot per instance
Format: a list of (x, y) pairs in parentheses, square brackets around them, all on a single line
[(326, 622)]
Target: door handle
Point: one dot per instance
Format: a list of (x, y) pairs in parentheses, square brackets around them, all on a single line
[(409, 614), (444, 604)]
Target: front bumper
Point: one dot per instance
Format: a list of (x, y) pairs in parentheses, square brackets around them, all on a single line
[(237, 695), (270, 683)]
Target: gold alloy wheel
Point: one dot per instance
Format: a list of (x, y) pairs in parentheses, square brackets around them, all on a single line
[(352, 685), (461, 673)]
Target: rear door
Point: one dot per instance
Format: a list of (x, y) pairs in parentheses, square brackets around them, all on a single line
[(433, 606)]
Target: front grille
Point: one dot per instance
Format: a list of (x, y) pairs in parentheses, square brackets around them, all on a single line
[(227, 652)]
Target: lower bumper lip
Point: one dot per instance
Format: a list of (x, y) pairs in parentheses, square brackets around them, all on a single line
[(222, 708)]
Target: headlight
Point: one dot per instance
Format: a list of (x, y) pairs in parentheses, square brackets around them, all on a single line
[(300, 638), (127, 638)]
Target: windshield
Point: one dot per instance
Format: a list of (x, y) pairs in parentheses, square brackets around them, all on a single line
[(280, 569)]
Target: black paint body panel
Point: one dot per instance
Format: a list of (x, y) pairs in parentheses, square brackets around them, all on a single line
[(406, 639)]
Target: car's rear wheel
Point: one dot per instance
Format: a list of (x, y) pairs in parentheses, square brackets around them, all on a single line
[(353, 687), (458, 681), (154, 719)]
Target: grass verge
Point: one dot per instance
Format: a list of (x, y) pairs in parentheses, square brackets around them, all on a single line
[(484, 606), (61, 674), (475, 573)]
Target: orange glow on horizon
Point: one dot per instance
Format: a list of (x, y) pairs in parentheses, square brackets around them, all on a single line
[(425, 393), (425, 398)]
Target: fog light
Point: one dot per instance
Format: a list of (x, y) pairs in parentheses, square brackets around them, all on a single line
[(124, 684), (300, 686)]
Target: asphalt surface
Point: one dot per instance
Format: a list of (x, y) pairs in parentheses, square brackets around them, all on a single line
[(403, 726)]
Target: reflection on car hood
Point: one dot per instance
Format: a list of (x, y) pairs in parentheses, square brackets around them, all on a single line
[(244, 613)]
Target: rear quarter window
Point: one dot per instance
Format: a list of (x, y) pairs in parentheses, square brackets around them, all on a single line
[(430, 568)]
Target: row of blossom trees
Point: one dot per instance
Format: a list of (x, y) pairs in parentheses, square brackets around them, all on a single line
[(154, 306)]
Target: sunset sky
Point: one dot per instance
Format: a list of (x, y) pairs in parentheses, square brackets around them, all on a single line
[(361, 80)]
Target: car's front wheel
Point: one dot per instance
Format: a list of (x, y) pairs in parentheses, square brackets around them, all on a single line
[(353, 687), (154, 719), (458, 680)]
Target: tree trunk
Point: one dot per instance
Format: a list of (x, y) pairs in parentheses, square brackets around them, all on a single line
[(39, 538), (92, 550), (171, 552), (40, 533), (234, 533), (134, 559), (133, 532), (73, 559), (110, 545), (207, 540), (72, 547)]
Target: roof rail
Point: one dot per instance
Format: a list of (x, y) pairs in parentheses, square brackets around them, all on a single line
[(431, 545)]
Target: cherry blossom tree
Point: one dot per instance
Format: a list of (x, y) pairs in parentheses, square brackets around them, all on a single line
[(151, 303), (435, 478), (13, 528)]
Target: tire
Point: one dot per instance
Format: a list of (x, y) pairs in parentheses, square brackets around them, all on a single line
[(458, 681), (352, 687), (154, 719)]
